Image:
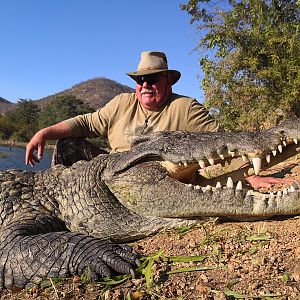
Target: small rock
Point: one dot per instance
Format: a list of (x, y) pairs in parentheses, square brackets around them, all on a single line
[(192, 244), (204, 278), (76, 278), (254, 286), (138, 282), (297, 252), (202, 289), (137, 295), (219, 296), (107, 295), (296, 272)]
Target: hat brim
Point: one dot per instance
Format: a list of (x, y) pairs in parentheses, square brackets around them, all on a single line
[(174, 73)]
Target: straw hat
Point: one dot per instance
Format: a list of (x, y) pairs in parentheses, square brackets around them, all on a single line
[(154, 62)]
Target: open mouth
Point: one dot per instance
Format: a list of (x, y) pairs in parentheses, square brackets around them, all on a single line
[(214, 172)]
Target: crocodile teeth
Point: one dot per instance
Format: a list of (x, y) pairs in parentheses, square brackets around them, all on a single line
[(211, 161), (268, 158), (208, 187), (197, 187), (296, 141), (285, 192), (280, 148), (185, 164), (239, 186), (222, 156), (229, 183), (274, 152), (232, 153), (201, 164), (284, 143), (245, 158), (279, 194), (218, 185), (256, 161), (292, 189)]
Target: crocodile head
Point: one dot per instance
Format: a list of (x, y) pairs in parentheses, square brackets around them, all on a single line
[(176, 157)]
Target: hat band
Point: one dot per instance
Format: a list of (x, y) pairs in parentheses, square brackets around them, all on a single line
[(149, 69)]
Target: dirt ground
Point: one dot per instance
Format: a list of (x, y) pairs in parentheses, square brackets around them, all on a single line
[(241, 260)]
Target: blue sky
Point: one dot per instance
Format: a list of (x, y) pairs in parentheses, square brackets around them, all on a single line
[(48, 46)]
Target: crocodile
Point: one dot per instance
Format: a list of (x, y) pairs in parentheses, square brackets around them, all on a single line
[(74, 219)]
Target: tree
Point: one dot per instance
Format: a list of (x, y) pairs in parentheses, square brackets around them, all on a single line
[(6, 127), (62, 108), (25, 117), (249, 53)]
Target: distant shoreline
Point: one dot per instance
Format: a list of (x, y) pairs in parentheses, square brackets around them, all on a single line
[(21, 144), (12, 144)]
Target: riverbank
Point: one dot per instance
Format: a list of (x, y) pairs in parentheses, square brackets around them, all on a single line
[(10, 143)]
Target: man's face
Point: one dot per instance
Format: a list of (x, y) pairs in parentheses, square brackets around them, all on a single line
[(153, 90)]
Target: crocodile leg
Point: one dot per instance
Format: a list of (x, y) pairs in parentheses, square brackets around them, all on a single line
[(42, 248)]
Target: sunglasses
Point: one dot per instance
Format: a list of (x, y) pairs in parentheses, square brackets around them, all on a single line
[(150, 79)]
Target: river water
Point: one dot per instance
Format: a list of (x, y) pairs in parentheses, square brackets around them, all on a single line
[(14, 157)]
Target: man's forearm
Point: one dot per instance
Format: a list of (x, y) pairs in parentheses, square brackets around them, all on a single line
[(58, 131)]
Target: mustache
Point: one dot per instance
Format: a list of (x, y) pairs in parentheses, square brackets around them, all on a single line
[(144, 90)]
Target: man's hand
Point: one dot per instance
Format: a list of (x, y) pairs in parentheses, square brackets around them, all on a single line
[(266, 182), (37, 143)]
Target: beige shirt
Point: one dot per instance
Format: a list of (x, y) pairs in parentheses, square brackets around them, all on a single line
[(123, 117)]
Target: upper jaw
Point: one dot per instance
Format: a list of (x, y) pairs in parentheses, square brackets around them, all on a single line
[(258, 149)]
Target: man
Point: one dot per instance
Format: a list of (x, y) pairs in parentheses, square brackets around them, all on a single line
[(153, 107)]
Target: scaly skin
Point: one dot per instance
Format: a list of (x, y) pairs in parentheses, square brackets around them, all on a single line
[(35, 243), (57, 222)]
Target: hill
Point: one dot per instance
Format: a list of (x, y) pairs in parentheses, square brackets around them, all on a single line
[(5, 105), (96, 92)]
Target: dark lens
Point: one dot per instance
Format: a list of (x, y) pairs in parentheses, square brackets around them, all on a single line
[(150, 79), (139, 80)]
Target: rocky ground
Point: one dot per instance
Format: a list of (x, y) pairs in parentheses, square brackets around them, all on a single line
[(233, 260)]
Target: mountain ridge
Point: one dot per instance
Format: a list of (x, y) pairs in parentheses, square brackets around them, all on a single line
[(95, 92), (5, 105)]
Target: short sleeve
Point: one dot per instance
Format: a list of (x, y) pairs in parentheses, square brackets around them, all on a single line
[(93, 124), (199, 119)]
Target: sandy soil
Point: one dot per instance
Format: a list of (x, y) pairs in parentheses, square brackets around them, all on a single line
[(253, 260)]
